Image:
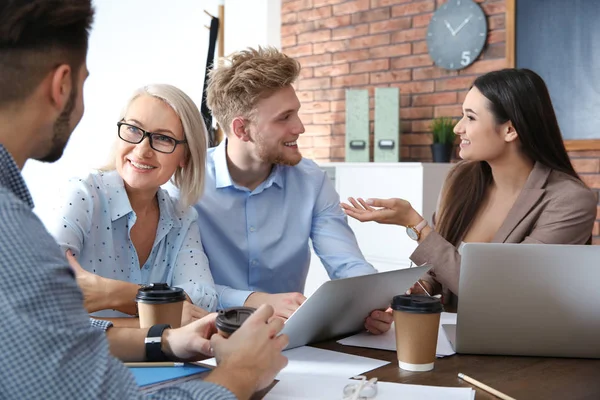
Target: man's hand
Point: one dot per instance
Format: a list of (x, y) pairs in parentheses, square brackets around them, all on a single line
[(379, 322), (284, 303), (192, 341), (251, 357), (191, 313), (93, 286), (188, 343)]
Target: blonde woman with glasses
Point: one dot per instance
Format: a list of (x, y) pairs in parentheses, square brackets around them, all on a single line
[(120, 230)]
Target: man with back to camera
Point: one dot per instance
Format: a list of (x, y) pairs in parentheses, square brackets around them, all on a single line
[(263, 201), (53, 349)]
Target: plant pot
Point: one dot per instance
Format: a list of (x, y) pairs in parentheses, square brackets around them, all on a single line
[(441, 152)]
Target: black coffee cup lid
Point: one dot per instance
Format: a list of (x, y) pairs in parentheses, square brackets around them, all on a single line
[(159, 293), (230, 319), (417, 304)]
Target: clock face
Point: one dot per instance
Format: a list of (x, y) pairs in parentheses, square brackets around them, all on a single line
[(457, 33)]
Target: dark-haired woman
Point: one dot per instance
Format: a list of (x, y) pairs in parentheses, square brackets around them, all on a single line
[(515, 185)]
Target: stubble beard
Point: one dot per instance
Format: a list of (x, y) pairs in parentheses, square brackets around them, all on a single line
[(275, 156), (62, 131)]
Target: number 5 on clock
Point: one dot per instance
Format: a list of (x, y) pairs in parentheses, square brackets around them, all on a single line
[(465, 59)]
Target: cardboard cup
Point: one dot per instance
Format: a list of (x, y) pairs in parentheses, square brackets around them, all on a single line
[(153, 314), (229, 320), (160, 304), (417, 320)]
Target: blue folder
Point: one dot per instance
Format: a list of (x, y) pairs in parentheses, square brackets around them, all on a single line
[(153, 375)]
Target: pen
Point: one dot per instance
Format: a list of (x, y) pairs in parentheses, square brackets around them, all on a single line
[(485, 387), (153, 364)]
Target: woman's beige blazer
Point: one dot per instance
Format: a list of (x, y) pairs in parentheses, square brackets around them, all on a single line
[(552, 208)]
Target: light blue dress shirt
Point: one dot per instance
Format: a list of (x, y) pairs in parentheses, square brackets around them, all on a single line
[(259, 240), (95, 220)]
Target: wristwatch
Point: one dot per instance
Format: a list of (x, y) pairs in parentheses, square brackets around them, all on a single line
[(153, 343), (414, 232)]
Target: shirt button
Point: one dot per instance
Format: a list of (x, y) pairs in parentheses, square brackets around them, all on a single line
[(252, 229), (254, 262)]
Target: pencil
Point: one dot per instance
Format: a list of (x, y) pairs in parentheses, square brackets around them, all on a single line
[(153, 364), (485, 387), (423, 287)]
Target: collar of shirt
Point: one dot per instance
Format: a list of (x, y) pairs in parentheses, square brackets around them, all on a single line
[(11, 177), (120, 205), (223, 178)]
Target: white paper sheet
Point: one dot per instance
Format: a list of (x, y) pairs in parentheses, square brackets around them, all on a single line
[(312, 361), (301, 387), (387, 341)]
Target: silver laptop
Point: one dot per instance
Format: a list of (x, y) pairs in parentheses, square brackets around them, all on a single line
[(340, 306), (528, 300)]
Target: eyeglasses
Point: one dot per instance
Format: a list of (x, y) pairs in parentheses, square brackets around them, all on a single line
[(362, 390), (159, 142)]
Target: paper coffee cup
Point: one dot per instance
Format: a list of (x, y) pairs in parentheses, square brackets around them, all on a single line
[(417, 320), (230, 319), (160, 304)]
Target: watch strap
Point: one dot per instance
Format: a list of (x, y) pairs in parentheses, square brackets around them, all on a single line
[(414, 232), (419, 227), (153, 343)]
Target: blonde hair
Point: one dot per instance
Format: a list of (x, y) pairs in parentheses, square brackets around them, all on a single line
[(251, 75), (190, 178)]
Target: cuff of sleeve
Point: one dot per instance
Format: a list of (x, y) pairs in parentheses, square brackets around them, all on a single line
[(421, 256), (422, 253), (100, 324), (204, 296), (442, 256), (229, 297)]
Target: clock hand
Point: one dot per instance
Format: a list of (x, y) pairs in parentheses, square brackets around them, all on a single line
[(466, 21), (450, 28)]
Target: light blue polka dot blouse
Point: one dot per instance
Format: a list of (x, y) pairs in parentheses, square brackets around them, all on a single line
[(95, 219)]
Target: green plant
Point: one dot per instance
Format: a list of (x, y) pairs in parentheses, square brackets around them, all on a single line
[(443, 130)]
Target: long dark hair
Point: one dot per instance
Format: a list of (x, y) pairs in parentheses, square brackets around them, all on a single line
[(519, 96)]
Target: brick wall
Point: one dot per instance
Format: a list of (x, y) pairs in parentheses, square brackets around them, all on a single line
[(376, 43), (366, 44), (587, 165)]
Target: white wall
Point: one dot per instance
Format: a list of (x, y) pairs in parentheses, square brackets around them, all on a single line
[(252, 23), (136, 42)]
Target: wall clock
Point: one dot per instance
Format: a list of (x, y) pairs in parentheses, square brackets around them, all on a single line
[(456, 34)]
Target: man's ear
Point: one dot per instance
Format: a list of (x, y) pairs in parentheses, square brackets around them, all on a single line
[(510, 134), (61, 86), (239, 128)]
